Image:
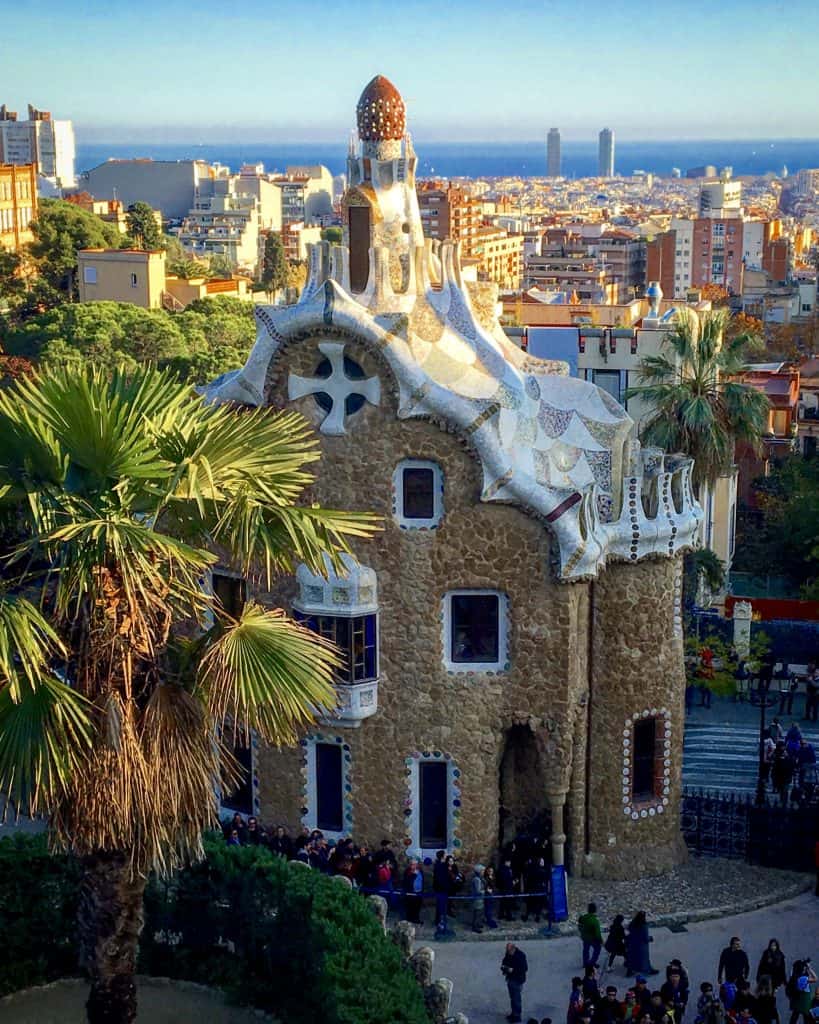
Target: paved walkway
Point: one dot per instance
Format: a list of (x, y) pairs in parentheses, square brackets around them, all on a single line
[(480, 991), (721, 744)]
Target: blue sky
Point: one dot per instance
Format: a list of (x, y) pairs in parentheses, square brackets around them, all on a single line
[(292, 71)]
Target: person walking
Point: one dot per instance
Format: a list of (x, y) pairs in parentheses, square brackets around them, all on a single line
[(588, 925), (638, 958), (733, 963), (514, 967), (477, 890), (800, 990), (615, 944), (772, 966)]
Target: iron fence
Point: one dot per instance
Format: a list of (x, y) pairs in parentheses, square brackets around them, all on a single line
[(736, 825)]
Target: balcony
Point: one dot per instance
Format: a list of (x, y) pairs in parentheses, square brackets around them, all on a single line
[(356, 701)]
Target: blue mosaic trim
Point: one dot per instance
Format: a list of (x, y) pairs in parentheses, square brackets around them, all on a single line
[(346, 781)]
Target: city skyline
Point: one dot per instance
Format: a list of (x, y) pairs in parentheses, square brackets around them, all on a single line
[(276, 79)]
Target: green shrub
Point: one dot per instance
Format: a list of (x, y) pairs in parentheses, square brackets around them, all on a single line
[(280, 937), (274, 935), (38, 912)]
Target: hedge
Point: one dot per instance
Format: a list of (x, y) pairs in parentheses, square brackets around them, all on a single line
[(274, 935)]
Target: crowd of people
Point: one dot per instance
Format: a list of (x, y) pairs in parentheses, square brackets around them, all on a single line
[(789, 762), (518, 885), (734, 997)]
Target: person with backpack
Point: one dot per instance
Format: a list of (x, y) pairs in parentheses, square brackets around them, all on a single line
[(800, 991)]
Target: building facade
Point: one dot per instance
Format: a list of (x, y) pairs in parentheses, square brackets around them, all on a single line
[(605, 154), (512, 639), (18, 204), (553, 153), (40, 140), (448, 212)]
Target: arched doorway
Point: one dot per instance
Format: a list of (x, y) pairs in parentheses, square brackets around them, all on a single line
[(524, 806)]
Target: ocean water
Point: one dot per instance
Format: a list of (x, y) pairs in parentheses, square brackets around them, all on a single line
[(491, 159)]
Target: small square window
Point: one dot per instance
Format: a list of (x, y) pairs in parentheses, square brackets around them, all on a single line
[(475, 631), (418, 492), (89, 275)]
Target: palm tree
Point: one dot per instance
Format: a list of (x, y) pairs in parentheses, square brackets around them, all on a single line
[(701, 405), (120, 490)]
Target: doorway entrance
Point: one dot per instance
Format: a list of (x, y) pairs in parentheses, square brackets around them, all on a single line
[(524, 807)]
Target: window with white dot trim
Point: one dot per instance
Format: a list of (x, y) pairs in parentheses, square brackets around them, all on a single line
[(646, 768), (418, 494)]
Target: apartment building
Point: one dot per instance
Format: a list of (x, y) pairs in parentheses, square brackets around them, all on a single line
[(40, 140), (166, 185), (500, 257), (566, 263), (223, 222), (449, 212), (306, 194), (18, 204)]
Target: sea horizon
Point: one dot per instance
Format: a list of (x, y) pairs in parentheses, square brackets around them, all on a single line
[(746, 157)]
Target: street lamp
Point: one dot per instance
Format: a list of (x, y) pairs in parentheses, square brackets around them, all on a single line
[(766, 700)]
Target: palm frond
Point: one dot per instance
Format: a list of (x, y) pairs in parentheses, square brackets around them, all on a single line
[(28, 644), (268, 674), (45, 735)]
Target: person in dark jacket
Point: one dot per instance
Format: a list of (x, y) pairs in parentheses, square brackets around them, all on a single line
[(514, 967), (440, 886), (615, 944), (609, 1009), (745, 999), (280, 844), (507, 887), (772, 965), (675, 995), (638, 957), (591, 989), (766, 1009), (781, 771), (733, 963), (536, 882), (413, 886)]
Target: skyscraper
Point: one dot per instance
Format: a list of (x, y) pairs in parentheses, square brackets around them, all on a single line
[(605, 154), (553, 153)]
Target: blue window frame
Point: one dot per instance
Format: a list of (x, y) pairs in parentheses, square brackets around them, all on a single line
[(357, 639)]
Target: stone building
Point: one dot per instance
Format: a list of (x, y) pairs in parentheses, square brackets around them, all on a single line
[(512, 637)]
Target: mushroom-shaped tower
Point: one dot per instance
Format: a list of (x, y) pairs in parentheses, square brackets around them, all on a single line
[(382, 119)]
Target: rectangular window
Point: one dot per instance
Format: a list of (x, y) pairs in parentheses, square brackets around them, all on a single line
[(241, 798), (432, 799), (475, 628), (230, 592), (609, 380), (133, 280), (357, 639), (89, 275), (329, 788), (418, 485), (645, 737)]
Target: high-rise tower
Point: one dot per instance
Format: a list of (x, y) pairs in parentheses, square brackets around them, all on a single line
[(605, 154), (553, 153)]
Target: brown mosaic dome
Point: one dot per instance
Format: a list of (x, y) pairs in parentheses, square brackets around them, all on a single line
[(381, 112)]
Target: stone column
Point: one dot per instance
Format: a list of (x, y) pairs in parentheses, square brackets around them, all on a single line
[(743, 613), (557, 801)]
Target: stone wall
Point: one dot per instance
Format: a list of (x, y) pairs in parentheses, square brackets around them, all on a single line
[(637, 667), (554, 636), (421, 706)]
